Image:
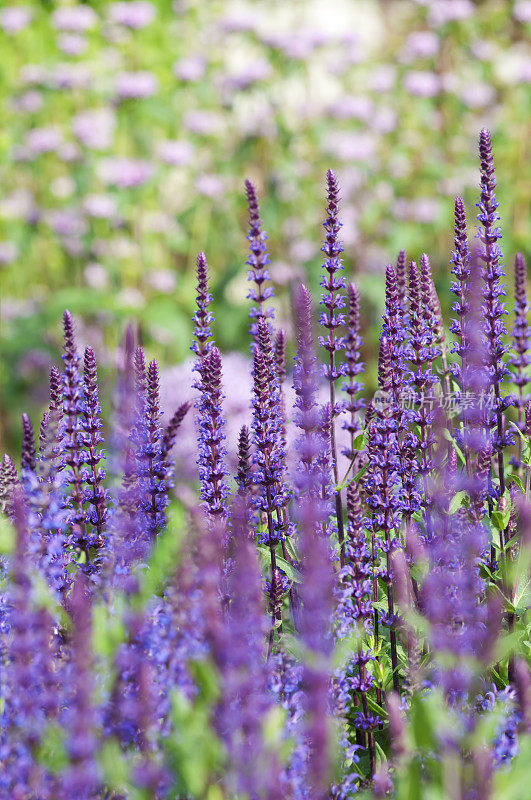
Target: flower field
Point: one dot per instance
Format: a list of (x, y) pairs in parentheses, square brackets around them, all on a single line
[(265, 512)]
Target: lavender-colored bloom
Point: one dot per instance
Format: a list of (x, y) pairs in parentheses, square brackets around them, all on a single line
[(74, 18), (72, 44), (72, 435), (15, 19), (94, 494), (202, 317), (43, 140), (28, 455), (136, 85), (521, 333), (243, 476), (450, 11), (461, 269), (172, 429), (258, 262), (381, 482), (28, 687), (493, 307), (269, 455), (100, 206), (212, 470), (421, 352), (331, 319), (177, 153), (8, 253), (125, 173), (190, 69), (401, 279), (245, 701), (81, 777), (153, 468), (422, 84), (354, 367), (135, 14), (95, 128)]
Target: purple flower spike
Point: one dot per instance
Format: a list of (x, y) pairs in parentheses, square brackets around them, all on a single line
[(212, 470), (521, 333), (81, 777), (202, 317), (245, 700), (381, 487), (333, 282), (73, 436), (461, 287), (28, 455), (258, 261), (154, 467), (91, 415), (401, 279), (172, 429), (8, 484), (354, 367), (243, 477), (493, 308)]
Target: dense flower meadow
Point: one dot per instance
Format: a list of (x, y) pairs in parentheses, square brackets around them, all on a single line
[(343, 610), (126, 128)]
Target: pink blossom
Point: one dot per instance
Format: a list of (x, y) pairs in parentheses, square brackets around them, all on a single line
[(422, 83), (124, 173), (135, 14), (74, 18), (190, 69), (136, 85), (15, 19), (95, 129), (175, 152)]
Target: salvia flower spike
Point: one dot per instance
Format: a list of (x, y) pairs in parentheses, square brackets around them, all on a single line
[(258, 261), (28, 456), (521, 333), (332, 319)]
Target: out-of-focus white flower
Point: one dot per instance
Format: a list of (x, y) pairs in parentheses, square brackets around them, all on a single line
[(129, 297), (63, 186), (163, 280), (96, 276), (8, 252)]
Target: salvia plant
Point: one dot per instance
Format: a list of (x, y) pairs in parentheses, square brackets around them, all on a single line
[(294, 632)]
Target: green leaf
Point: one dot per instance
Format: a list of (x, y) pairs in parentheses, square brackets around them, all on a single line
[(457, 501), (51, 752), (7, 536)]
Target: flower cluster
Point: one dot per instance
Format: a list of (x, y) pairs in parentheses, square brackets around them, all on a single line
[(248, 639)]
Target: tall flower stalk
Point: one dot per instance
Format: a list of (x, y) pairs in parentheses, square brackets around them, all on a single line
[(354, 367), (494, 308), (521, 332), (332, 300), (258, 261)]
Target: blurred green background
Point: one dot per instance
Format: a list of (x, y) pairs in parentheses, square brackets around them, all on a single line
[(128, 129)]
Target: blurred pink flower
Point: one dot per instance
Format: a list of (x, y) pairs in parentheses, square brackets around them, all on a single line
[(205, 123), (210, 185), (125, 173), (190, 69), (100, 206), (74, 18), (96, 276), (8, 253), (72, 44), (95, 128), (522, 11), (421, 44), (442, 11), (351, 146), (15, 19), (136, 85), (70, 76), (422, 83), (353, 106), (175, 152), (43, 140), (30, 101), (134, 14), (162, 280)]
